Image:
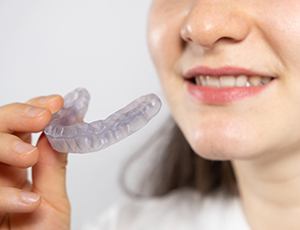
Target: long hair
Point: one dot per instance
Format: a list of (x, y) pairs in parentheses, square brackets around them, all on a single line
[(174, 165)]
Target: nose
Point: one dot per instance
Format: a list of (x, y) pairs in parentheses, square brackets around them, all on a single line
[(207, 23)]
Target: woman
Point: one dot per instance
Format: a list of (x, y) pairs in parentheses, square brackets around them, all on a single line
[(229, 71)]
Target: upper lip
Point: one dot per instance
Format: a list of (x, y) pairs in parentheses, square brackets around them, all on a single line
[(222, 71)]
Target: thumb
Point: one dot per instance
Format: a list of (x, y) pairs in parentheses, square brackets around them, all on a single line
[(49, 174)]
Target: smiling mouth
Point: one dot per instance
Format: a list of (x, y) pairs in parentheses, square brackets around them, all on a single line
[(226, 81), (226, 76), (214, 91), (226, 84)]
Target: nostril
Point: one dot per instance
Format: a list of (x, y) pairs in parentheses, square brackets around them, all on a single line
[(189, 39), (226, 40), (186, 33)]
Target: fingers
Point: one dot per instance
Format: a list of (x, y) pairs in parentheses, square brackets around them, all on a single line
[(31, 117), (26, 137), (12, 176), (15, 152), (22, 117), (17, 121), (14, 200), (52, 102), (49, 174)]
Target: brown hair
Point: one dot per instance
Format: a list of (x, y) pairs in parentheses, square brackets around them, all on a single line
[(176, 166)]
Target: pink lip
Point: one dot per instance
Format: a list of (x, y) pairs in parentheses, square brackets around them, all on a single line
[(219, 96), (223, 71)]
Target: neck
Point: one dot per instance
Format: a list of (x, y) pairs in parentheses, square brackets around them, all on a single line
[(270, 191)]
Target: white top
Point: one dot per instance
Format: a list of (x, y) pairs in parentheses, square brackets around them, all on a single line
[(180, 210)]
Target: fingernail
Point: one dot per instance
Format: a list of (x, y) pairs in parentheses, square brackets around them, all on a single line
[(46, 99), (34, 111), (29, 197), (22, 147)]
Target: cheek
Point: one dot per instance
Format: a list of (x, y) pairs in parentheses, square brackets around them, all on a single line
[(166, 48), (281, 24), (164, 39)]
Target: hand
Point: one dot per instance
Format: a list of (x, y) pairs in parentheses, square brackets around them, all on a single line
[(42, 204)]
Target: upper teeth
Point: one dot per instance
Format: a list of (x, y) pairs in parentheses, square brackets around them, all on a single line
[(232, 81)]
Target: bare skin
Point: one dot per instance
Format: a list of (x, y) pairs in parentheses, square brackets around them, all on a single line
[(43, 204), (260, 135)]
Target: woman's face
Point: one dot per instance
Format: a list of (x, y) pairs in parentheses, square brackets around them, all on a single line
[(223, 38)]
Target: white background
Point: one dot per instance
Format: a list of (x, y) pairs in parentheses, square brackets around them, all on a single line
[(54, 46)]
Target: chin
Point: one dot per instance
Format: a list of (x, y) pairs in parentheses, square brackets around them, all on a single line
[(216, 141), (222, 150)]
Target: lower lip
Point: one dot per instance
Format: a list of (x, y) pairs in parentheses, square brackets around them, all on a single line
[(219, 96)]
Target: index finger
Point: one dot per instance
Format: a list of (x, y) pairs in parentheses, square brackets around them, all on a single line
[(30, 117), (52, 102)]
